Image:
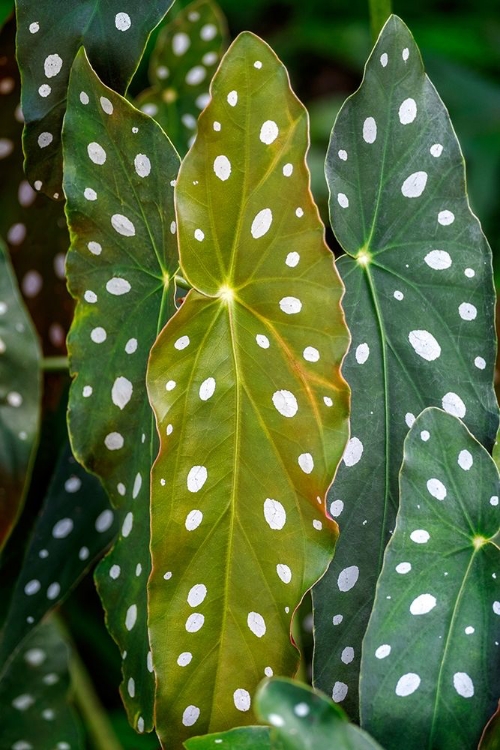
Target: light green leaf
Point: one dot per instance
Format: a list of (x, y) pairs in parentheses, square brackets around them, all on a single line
[(420, 307), (119, 175), (307, 720), (114, 32), (496, 452), (430, 655), (250, 405), (20, 396), (185, 58), (73, 529), (246, 738), (34, 696)]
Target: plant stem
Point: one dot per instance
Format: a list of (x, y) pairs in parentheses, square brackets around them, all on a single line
[(380, 10), (182, 283), (54, 364)]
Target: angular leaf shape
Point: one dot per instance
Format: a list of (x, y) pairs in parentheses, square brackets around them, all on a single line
[(250, 405), (20, 396), (430, 664), (75, 526), (306, 720), (119, 176), (184, 60), (245, 738), (420, 307), (34, 696), (49, 36)]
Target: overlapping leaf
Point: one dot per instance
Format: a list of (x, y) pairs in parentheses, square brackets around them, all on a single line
[(20, 394), (6, 9), (305, 720), (245, 738), (186, 55), (420, 307), (250, 405), (114, 32), (431, 658), (34, 227), (34, 696), (119, 175), (75, 527)]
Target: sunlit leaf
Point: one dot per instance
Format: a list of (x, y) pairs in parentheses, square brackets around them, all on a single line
[(244, 738), (119, 172), (20, 394), (306, 720), (34, 696), (431, 651), (33, 226), (496, 452), (75, 526), (49, 35), (185, 58), (420, 307), (250, 405)]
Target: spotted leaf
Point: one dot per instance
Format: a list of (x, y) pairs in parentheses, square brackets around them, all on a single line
[(437, 594), (186, 55), (119, 175), (245, 738), (250, 405), (420, 307), (73, 529), (306, 720), (20, 394), (49, 36), (33, 226), (34, 702)]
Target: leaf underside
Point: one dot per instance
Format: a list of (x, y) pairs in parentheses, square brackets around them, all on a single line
[(250, 405), (119, 175), (34, 696), (437, 594), (20, 396), (74, 527), (184, 60), (114, 32), (420, 307)]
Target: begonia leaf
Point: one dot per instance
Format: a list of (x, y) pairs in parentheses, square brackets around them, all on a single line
[(241, 738), (431, 658), (419, 304), (250, 405)]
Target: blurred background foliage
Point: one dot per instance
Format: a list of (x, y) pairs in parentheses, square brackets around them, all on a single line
[(324, 44)]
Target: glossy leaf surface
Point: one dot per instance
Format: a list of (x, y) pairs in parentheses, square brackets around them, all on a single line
[(245, 738), (114, 33), (420, 307), (185, 58), (118, 181), (20, 395), (306, 720), (74, 528), (250, 404), (34, 696), (431, 659)]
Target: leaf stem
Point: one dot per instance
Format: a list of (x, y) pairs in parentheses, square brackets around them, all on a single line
[(182, 283), (380, 10), (54, 364)]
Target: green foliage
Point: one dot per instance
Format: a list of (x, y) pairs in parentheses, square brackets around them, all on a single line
[(49, 36), (430, 652), (420, 307), (119, 176), (34, 696), (20, 394), (247, 738), (250, 404), (184, 60), (74, 527)]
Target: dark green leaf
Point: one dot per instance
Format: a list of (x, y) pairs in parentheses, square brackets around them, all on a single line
[(114, 33), (251, 408), (20, 394), (420, 307), (119, 175), (247, 738), (430, 666), (490, 739)]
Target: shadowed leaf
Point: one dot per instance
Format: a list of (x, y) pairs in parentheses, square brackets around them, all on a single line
[(246, 738), (490, 739), (114, 32), (119, 175), (431, 663), (420, 307), (250, 404)]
